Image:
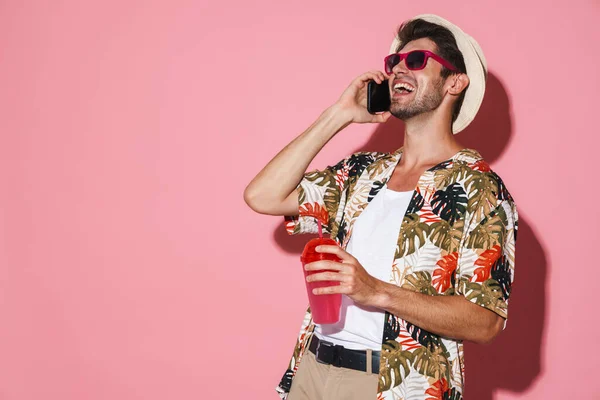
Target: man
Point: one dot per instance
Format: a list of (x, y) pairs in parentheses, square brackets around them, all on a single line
[(430, 262)]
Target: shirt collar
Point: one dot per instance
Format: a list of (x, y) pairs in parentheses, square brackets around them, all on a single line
[(469, 156)]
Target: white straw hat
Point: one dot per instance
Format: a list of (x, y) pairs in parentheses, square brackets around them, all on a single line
[(476, 69)]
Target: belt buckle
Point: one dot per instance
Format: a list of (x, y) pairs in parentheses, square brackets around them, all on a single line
[(329, 353)]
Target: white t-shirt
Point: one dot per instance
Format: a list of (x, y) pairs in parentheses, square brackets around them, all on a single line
[(373, 244)]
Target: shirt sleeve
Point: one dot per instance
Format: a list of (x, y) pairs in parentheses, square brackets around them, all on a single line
[(486, 263), (319, 194)]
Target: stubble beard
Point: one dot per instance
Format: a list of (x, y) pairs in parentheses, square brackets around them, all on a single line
[(426, 103)]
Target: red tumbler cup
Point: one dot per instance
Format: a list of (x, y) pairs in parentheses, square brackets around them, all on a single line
[(325, 307)]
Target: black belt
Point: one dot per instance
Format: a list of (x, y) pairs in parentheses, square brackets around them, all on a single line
[(338, 356)]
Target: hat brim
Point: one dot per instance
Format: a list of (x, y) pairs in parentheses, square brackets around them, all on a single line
[(476, 70)]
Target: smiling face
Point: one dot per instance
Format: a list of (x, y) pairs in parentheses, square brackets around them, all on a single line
[(416, 92)]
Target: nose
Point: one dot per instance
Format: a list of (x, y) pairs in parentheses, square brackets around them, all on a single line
[(400, 68)]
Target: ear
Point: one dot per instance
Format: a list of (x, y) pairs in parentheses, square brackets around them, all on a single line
[(456, 84)]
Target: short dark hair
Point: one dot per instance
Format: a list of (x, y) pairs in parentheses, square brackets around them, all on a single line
[(446, 48)]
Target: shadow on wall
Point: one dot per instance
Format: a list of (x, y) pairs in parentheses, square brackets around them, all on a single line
[(513, 361)]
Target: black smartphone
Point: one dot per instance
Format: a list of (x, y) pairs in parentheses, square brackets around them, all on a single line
[(378, 97)]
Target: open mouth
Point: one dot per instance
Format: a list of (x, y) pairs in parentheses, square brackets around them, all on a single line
[(403, 88)]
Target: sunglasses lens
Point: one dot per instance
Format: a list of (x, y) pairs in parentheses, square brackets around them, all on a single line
[(415, 60), (390, 62)]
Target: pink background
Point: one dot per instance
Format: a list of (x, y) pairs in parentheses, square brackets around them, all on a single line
[(130, 266)]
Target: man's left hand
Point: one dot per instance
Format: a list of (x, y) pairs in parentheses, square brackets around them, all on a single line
[(355, 282)]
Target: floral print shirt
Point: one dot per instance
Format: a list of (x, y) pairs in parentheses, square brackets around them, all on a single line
[(457, 238)]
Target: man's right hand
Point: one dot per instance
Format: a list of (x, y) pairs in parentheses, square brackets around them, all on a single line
[(272, 191), (353, 102)]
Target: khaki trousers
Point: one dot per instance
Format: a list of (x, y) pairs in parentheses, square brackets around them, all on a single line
[(316, 381)]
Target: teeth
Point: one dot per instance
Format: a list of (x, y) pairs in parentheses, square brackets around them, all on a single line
[(404, 86)]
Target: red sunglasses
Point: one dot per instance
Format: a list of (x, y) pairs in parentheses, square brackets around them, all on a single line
[(415, 60)]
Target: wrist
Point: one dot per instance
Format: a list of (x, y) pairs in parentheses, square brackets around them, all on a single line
[(339, 114), (382, 296)]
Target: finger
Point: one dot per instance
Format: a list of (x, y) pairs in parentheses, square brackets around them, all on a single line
[(331, 290), (378, 79), (383, 117), (323, 265), (327, 276), (337, 250), (367, 76)]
